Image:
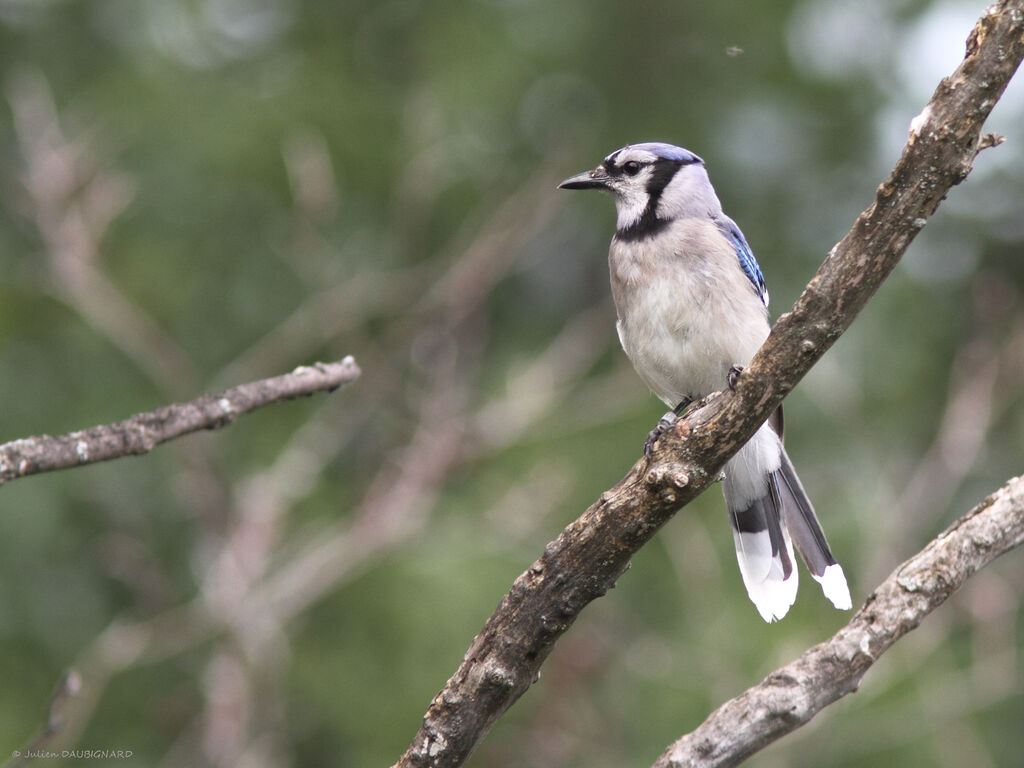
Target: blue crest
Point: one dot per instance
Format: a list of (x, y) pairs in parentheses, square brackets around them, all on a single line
[(669, 152)]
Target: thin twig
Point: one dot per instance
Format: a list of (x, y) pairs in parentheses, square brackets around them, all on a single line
[(143, 432)]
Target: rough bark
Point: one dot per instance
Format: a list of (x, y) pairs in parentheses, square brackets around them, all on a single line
[(591, 553)]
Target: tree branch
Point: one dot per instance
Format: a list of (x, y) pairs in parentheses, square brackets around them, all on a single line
[(791, 695), (591, 553), (143, 432)]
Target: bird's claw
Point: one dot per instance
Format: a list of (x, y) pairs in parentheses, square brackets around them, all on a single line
[(655, 434), (733, 376), (664, 423)]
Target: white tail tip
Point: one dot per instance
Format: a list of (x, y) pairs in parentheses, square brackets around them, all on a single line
[(773, 599), (833, 584)]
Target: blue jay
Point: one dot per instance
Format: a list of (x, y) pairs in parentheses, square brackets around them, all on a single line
[(692, 308)]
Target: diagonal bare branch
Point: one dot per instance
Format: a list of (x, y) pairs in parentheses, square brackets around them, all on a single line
[(791, 695), (591, 553), (143, 432)]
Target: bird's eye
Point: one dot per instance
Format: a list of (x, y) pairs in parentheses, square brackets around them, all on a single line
[(632, 168)]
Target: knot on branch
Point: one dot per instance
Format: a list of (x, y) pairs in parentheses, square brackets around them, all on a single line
[(988, 140), (666, 479), (496, 675)]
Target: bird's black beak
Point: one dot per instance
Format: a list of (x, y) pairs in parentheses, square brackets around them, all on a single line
[(595, 179)]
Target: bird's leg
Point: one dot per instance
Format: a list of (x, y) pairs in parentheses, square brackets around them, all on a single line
[(664, 423), (685, 403), (733, 376)]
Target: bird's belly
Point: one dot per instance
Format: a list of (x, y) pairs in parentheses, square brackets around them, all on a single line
[(683, 344)]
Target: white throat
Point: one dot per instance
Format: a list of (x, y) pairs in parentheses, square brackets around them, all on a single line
[(629, 210)]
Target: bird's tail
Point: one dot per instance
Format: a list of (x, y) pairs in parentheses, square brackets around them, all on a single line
[(799, 518), (770, 512)]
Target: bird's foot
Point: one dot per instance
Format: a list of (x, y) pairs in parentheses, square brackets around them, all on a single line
[(655, 434), (664, 423), (733, 376)]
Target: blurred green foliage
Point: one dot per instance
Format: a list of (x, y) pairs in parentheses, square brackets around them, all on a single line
[(289, 180)]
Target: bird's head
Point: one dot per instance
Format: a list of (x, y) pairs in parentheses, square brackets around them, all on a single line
[(652, 183)]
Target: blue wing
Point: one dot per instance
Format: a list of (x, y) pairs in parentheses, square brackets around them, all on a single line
[(747, 261)]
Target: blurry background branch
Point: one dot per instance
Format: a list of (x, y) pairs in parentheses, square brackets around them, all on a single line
[(587, 559), (68, 687), (72, 201), (790, 696), (144, 431)]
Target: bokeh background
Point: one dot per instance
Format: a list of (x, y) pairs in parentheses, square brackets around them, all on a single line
[(198, 193)]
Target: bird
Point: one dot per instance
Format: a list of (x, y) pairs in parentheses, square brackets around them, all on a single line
[(692, 309)]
